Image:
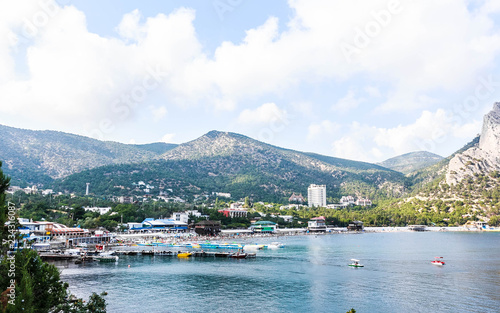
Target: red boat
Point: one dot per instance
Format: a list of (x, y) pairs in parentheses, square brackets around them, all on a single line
[(438, 261)]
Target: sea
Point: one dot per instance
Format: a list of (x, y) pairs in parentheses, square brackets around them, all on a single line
[(311, 274)]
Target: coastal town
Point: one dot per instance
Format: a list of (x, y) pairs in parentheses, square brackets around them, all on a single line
[(194, 230), (249, 156)]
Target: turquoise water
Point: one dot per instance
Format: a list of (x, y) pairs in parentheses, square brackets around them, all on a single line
[(310, 275)]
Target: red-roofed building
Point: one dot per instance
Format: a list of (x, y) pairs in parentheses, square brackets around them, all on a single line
[(316, 224), (232, 213)]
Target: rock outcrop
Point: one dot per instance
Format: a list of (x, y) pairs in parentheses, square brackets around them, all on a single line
[(483, 158), (490, 135)]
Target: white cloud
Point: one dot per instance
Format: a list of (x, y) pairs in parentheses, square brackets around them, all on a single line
[(266, 113), (324, 129), (73, 74), (373, 92), (432, 131), (348, 102), (158, 112), (168, 138), (304, 108)]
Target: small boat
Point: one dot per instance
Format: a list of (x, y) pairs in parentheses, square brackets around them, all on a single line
[(438, 260), (276, 245), (238, 255), (184, 255), (106, 258), (355, 263), (253, 247)]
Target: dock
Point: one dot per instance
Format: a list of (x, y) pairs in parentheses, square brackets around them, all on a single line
[(199, 254), (57, 257)]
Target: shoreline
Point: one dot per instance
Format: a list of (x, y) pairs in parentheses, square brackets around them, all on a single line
[(160, 237)]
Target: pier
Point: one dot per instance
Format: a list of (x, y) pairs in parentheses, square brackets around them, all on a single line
[(199, 254)]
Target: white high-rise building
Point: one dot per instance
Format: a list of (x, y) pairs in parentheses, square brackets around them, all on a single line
[(316, 195)]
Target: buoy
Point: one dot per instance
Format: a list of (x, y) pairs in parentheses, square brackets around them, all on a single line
[(129, 266)]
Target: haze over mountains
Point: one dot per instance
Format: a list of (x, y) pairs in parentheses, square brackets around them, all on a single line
[(229, 162)]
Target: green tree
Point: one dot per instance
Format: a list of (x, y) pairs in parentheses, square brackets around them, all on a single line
[(29, 284), (4, 185)]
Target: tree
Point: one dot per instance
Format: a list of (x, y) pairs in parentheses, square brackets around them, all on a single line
[(4, 185), (28, 283), (247, 203)]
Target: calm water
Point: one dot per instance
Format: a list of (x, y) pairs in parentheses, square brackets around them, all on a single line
[(310, 275)]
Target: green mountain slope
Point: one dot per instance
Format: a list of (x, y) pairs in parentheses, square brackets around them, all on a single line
[(228, 162), (157, 147), (435, 174), (411, 162), (38, 157)]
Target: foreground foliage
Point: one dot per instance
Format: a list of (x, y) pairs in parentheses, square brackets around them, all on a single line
[(28, 284)]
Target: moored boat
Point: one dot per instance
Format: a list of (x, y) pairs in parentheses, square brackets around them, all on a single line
[(184, 255), (238, 255), (106, 258)]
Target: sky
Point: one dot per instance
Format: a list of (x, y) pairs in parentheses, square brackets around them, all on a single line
[(362, 79)]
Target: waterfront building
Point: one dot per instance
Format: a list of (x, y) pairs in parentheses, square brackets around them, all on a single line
[(317, 224), (355, 226), (54, 229), (132, 226), (263, 227), (210, 228), (163, 224), (316, 195)]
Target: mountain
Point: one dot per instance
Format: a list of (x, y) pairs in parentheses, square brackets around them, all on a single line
[(157, 147), (42, 156), (436, 173), (411, 162), (482, 158), (242, 166), (464, 186)]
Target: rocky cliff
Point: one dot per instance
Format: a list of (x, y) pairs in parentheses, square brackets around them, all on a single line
[(482, 158)]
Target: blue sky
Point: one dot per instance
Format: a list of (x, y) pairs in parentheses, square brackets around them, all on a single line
[(364, 79)]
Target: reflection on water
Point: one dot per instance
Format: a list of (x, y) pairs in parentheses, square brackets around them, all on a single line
[(310, 274)]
